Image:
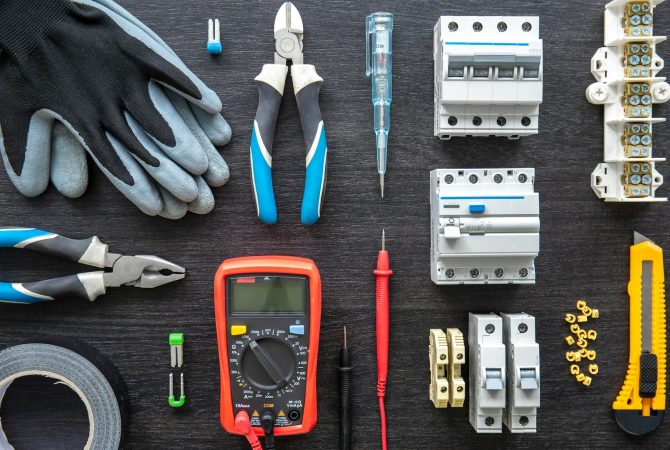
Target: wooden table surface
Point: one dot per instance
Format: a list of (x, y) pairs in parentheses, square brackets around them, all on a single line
[(584, 242)]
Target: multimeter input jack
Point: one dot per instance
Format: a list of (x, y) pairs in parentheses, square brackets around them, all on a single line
[(294, 415)]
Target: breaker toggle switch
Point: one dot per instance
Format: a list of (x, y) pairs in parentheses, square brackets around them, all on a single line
[(493, 380), (528, 379)]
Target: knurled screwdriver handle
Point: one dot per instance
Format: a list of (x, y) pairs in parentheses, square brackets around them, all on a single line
[(306, 85), (270, 84)]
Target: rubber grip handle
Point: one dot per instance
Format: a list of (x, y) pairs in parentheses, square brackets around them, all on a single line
[(87, 286), (307, 85), (85, 251), (270, 83)]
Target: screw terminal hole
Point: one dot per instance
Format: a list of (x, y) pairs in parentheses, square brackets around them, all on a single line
[(453, 26), (476, 121), (526, 27), (502, 27), (452, 121), (477, 27)]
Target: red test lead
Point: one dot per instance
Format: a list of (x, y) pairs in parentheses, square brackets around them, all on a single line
[(243, 425), (382, 274)]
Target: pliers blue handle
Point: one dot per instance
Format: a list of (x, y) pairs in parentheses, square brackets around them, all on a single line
[(138, 271)]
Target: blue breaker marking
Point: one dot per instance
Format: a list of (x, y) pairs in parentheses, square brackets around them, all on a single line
[(315, 179), (16, 293), (261, 173), (20, 237), (520, 197), (497, 44)]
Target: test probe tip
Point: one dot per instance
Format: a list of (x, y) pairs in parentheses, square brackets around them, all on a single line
[(383, 239), (381, 183), (345, 336)]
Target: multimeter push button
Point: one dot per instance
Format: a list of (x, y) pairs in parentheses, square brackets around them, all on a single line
[(297, 329), (236, 330)]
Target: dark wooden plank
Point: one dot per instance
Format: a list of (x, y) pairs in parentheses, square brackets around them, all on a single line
[(584, 241)]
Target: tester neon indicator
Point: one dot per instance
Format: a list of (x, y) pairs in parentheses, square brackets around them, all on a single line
[(268, 313)]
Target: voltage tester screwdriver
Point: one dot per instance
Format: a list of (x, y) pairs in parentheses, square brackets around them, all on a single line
[(382, 274), (378, 49)]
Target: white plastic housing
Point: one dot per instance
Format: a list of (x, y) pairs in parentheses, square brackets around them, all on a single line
[(487, 372), (485, 226), (523, 373), (608, 66), (488, 76)]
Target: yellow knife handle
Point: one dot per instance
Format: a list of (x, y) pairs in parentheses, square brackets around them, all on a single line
[(640, 405)]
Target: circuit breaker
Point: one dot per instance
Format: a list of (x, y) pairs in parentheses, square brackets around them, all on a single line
[(626, 70), (488, 76), (487, 372), (523, 373), (485, 226)]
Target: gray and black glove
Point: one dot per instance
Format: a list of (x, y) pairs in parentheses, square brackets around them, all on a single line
[(82, 76)]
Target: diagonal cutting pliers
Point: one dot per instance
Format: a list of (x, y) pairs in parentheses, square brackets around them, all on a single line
[(138, 271), (288, 33)]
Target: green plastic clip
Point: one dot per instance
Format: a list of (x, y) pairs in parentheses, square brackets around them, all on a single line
[(182, 398)]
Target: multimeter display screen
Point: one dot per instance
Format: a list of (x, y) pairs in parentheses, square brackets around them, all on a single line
[(267, 294)]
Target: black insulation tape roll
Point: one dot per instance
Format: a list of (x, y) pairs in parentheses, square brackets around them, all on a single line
[(84, 370)]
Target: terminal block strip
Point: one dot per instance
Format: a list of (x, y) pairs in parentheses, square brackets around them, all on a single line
[(485, 226), (626, 70), (523, 373), (487, 372), (446, 355), (488, 76)]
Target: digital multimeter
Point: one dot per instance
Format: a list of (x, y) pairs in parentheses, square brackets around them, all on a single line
[(268, 313)]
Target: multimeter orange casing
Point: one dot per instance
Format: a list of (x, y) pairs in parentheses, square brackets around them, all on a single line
[(280, 265)]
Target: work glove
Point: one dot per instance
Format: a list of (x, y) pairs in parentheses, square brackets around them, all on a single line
[(81, 76)]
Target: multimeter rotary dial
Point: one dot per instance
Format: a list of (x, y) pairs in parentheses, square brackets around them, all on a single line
[(273, 361)]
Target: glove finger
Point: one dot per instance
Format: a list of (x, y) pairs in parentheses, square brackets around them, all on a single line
[(173, 208), (167, 173), (204, 204), (32, 178), (214, 125), (118, 9), (185, 149), (172, 79), (217, 173), (69, 169), (142, 192)]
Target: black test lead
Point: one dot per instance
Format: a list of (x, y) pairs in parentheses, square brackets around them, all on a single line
[(345, 368)]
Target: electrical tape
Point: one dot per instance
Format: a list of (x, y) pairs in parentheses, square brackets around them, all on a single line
[(84, 370)]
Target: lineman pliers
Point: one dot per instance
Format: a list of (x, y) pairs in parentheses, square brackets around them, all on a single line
[(137, 271), (288, 32)]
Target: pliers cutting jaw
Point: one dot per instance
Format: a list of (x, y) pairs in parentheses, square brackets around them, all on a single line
[(138, 271), (288, 34)]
